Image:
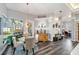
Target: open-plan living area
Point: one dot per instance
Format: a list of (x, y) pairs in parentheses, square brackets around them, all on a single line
[(39, 28)]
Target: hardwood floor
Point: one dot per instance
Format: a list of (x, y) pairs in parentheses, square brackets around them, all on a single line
[(62, 47)]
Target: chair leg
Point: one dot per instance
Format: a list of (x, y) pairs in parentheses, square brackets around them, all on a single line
[(26, 52), (14, 50), (33, 50), (23, 48)]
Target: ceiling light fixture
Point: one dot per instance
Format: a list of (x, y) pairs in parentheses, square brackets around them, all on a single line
[(69, 15), (27, 4), (56, 18)]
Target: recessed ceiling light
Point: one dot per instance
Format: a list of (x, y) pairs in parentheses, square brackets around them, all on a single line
[(56, 19), (69, 15)]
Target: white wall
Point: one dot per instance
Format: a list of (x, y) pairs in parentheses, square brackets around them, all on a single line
[(72, 29), (49, 21), (39, 22), (52, 30)]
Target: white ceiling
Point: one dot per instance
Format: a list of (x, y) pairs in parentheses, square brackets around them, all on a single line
[(39, 8)]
